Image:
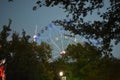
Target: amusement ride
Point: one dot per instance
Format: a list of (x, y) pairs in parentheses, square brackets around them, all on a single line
[(56, 37)]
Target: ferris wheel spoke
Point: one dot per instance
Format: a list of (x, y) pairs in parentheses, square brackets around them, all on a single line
[(68, 43), (54, 52), (56, 56), (52, 39), (57, 38), (36, 30), (53, 30), (62, 42), (55, 44)]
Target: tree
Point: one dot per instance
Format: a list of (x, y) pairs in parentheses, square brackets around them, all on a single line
[(43, 53), (4, 43), (85, 60), (107, 29), (88, 63), (24, 59), (29, 60), (23, 64)]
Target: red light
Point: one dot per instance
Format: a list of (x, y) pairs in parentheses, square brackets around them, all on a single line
[(63, 53)]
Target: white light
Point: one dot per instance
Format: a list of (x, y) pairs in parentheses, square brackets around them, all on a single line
[(75, 40), (35, 37), (3, 61), (61, 73), (66, 37), (63, 52)]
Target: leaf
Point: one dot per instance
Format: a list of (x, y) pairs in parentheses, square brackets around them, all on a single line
[(34, 8)]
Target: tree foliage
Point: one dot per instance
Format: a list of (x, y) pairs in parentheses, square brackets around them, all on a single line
[(4, 44), (107, 29), (25, 60), (89, 63)]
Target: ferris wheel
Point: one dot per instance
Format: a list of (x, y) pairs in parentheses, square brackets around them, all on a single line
[(57, 38)]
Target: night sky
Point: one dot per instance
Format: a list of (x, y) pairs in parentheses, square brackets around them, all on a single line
[(23, 17)]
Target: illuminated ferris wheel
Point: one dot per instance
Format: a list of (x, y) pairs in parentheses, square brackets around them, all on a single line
[(57, 37)]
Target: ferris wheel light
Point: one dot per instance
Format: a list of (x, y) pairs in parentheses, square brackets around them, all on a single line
[(63, 53), (75, 40), (35, 37)]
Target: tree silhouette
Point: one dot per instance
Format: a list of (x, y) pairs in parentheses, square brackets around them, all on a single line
[(89, 64), (24, 59), (107, 29), (29, 60), (4, 43)]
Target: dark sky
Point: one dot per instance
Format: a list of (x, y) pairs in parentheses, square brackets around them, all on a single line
[(23, 17)]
